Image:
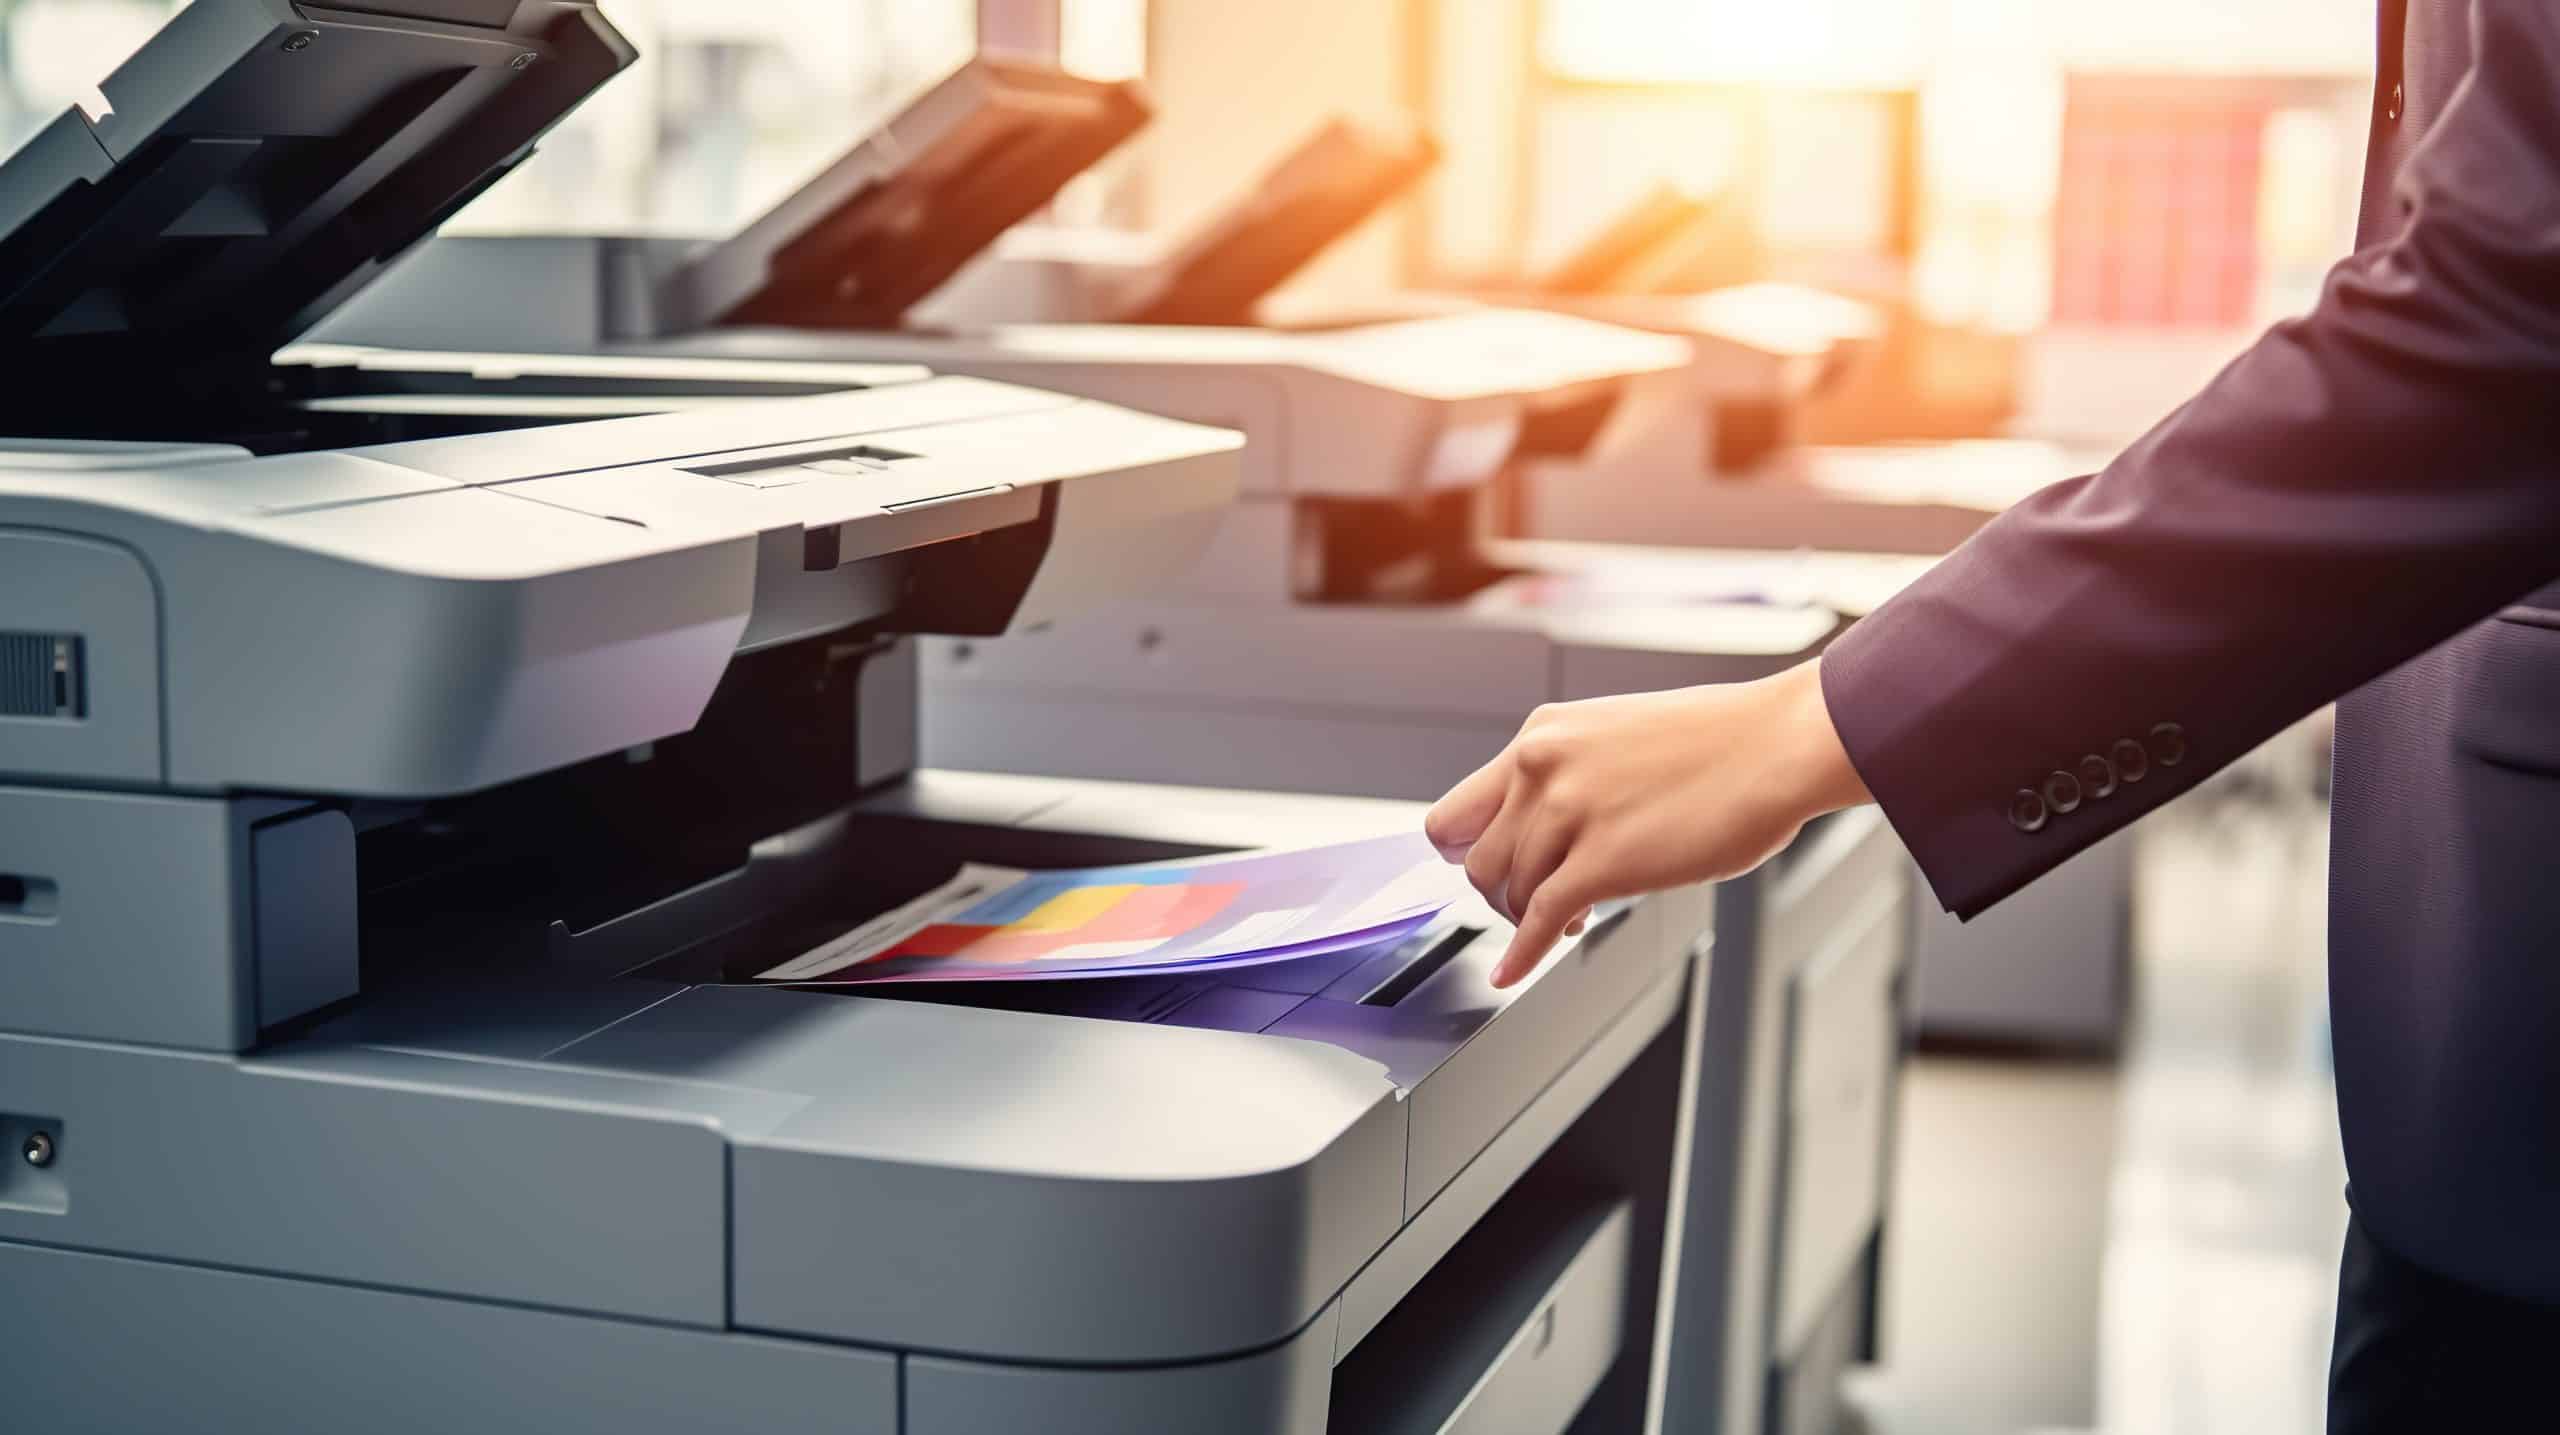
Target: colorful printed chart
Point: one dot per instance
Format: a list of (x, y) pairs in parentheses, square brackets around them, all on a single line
[(1004, 924)]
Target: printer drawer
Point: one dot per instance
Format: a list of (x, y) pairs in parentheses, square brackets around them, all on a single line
[(1842, 1037), (1510, 1335)]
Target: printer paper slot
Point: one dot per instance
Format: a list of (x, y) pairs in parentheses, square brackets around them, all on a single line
[(1422, 967)]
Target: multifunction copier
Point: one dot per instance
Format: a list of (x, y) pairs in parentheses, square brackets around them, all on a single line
[(389, 836), (1758, 350), (1348, 629)]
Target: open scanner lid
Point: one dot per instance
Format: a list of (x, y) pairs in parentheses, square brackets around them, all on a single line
[(881, 229), (1642, 249), (258, 161), (1318, 193)]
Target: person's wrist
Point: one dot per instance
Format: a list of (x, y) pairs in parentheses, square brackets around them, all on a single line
[(1822, 776)]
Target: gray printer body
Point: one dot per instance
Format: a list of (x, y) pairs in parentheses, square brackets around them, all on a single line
[(1348, 630), (370, 1099), (389, 835)]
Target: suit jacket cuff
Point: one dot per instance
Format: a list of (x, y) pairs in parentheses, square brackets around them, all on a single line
[(1883, 683)]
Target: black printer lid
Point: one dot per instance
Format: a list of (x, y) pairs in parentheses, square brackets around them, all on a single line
[(1320, 192), (258, 161), (1641, 248), (887, 224)]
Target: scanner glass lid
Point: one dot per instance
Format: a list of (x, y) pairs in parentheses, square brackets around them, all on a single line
[(881, 229), (1316, 195), (1644, 248), (256, 162)]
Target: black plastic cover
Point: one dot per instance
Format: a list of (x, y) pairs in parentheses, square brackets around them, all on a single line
[(1323, 190), (887, 224), (1642, 249), (261, 162)]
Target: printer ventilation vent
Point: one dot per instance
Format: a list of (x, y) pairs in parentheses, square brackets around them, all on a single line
[(40, 675)]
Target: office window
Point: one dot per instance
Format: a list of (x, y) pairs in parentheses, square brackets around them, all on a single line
[(1792, 111), (1864, 43), (54, 52), (1103, 39), (730, 108), (1873, 42), (2156, 222)]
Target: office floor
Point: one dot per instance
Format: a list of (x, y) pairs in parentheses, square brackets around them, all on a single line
[(2147, 1246)]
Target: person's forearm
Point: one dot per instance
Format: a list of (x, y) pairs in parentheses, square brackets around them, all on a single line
[(1828, 776)]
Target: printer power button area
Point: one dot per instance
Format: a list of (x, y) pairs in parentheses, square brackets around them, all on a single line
[(34, 1165)]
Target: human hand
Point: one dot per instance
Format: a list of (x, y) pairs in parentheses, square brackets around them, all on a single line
[(1619, 796)]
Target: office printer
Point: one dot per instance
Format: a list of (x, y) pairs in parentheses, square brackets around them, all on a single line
[(1759, 350), (1764, 349), (1350, 631), (372, 855), (384, 830)]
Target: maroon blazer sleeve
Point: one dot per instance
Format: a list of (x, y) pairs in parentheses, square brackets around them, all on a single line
[(2360, 485)]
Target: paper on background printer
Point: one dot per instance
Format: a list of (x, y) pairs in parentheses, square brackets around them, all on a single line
[(1004, 924)]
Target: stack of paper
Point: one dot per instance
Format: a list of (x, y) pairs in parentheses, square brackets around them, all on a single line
[(1002, 924)]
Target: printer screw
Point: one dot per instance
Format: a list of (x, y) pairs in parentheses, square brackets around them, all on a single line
[(39, 1149), (522, 62), (299, 41)]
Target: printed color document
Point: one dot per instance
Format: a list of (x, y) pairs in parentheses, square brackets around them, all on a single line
[(1003, 924)]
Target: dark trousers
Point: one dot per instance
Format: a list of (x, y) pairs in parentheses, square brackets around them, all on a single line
[(2418, 1352)]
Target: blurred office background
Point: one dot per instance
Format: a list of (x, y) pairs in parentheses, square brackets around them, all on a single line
[(2070, 209), (2067, 213)]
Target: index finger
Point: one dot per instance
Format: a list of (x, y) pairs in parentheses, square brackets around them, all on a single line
[(1557, 906), (1458, 819)]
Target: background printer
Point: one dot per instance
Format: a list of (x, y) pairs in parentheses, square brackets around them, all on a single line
[(370, 819), (1757, 350), (1347, 632)]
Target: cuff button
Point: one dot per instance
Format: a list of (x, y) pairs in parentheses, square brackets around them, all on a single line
[(2168, 744), (2131, 760), (2062, 793), (2097, 776), (2027, 810)]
